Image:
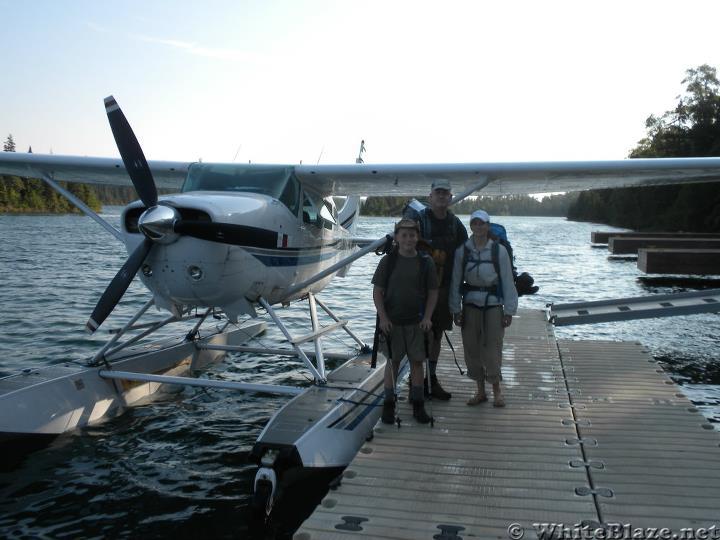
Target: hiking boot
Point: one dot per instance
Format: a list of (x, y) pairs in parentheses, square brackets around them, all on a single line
[(438, 392), (388, 412), (419, 412)]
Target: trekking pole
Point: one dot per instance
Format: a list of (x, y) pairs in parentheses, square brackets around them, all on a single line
[(394, 382), (376, 339), (429, 381), (454, 355)]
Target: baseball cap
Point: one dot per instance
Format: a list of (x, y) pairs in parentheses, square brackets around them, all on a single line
[(407, 223), (481, 215), (441, 183)]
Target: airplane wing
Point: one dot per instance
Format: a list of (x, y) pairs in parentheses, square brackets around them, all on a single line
[(89, 170), (507, 178)]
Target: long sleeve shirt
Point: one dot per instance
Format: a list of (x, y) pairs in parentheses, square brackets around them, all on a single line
[(482, 275)]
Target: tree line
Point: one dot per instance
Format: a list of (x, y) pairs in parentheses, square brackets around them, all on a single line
[(23, 195), (691, 129), (508, 205)]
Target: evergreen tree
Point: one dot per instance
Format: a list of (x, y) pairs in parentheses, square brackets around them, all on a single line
[(9, 145)]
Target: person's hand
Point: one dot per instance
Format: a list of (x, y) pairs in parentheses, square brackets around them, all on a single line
[(385, 325), (458, 319), (506, 320), (425, 324)]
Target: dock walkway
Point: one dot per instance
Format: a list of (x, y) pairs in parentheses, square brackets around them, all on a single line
[(593, 432)]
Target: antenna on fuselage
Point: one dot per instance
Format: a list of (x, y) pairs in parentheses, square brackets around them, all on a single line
[(360, 153), (320, 156)]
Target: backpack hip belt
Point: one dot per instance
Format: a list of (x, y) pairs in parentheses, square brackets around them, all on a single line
[(466, 288)]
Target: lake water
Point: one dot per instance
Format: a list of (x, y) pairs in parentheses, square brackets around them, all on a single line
[(178, 467)]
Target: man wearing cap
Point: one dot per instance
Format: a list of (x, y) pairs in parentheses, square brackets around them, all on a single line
[(405, 294), (445, 233)]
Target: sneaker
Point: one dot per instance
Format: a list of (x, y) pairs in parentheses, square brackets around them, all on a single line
[(388, 412), (419, 412)]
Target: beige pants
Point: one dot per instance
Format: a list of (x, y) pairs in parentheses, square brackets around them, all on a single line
[(482, 335)]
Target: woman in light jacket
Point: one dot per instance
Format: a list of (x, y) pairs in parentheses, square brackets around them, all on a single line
[(483, 301)]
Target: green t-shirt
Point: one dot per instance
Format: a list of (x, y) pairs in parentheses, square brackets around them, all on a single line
[(406, 291)]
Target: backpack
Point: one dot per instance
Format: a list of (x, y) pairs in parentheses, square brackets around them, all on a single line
[(419, 212), (496, 290)]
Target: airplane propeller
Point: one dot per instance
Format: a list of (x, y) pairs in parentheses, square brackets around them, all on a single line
[(131, 154), (160, 223), (139, 172)]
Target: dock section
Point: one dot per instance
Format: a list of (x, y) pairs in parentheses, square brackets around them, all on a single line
[(679, 261), (593, 432), (602, 237), (628, 246)]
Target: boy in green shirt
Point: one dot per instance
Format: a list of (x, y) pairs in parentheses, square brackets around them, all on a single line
[(405, 295)]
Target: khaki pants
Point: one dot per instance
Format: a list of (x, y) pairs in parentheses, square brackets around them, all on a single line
[(405, 340), (482, 335)]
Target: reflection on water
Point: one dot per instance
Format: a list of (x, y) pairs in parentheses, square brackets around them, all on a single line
[(179, 466)]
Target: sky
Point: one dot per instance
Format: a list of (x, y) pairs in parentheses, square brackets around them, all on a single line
[(305, 81)]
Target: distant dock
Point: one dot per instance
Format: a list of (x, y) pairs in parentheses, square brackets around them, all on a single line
[(666, 253), (594, 433)]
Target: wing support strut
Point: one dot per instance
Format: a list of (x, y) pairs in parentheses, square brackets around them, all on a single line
[(81, 205), (335, 267), (477, 187)]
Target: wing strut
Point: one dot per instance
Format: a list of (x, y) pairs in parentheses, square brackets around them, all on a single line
[(477, 187), (337, 266), (84, 208)]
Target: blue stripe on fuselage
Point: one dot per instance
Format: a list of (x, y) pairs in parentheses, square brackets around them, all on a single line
[(295, 256), (294, 259)]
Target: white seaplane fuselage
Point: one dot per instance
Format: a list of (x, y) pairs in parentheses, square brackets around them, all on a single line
[(287, 242)]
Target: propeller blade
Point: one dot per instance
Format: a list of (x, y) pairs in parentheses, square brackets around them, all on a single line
[(131, 153), (118, 286), (227, 233)]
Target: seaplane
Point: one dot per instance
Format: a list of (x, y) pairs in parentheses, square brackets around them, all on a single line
[(233, 241)]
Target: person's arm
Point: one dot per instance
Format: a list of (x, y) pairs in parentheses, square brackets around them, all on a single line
[(379, 300), (510, 297), (430, 303), (454, 298)]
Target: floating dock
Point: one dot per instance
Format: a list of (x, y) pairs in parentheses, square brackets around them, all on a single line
[(630, 246), (666, 253), (594, 433), (679, 261), (602, 237)]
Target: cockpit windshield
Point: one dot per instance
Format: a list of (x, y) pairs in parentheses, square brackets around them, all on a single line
[(277, 182)]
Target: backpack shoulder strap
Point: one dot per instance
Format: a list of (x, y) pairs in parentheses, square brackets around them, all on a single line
[(425, 226), (390, 268), (495, 253), (456, 226), (424, 269)]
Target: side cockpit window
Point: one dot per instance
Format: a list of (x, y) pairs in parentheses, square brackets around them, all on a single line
[(309, 211), (290, 196), (328, 214)]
